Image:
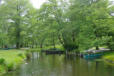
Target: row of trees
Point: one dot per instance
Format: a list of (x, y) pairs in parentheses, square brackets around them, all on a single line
[(73, 24)]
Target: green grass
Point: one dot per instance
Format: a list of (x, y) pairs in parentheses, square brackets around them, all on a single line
[(12, 58), (45, 48), (56, 46), (109, 57)]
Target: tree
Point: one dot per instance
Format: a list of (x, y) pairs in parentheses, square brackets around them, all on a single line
[(15, 13)]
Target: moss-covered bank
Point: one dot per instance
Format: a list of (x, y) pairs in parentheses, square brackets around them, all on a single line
[(109, 58), (10, 59)]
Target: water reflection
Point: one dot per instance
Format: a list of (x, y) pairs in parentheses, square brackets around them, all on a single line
[(61, 65)]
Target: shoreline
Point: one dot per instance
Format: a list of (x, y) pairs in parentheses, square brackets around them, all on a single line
[(10, 60), (109, 58)]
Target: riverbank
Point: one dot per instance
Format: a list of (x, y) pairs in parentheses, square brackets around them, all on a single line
[(10, 59), (109, 57)]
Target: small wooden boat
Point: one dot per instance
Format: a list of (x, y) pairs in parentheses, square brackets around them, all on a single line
[(91, 56)]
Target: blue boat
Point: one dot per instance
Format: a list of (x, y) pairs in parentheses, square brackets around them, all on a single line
[(92, 56)]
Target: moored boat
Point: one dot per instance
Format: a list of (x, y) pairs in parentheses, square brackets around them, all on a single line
[(89, 56)]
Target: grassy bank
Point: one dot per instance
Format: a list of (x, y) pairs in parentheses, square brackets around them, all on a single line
[(109, 57), (46, 48), (10, 59)]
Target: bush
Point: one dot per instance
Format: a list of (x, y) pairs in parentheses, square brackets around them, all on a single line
[(34, 50), (111, 45), (70, 47), (60, 47), (21, 55), (2, 69), (28, 54), (10, 67), (2, 61)]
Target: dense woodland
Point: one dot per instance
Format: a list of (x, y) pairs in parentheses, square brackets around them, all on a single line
[(73, 24)]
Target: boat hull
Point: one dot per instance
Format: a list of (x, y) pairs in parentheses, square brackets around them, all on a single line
[(88, 56)]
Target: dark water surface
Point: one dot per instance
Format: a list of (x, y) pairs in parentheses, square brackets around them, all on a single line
[(55, 65)]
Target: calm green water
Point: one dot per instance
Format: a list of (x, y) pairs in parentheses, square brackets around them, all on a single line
[(55, 65)]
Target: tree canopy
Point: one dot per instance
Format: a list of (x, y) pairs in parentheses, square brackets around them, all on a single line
[(73, 24)]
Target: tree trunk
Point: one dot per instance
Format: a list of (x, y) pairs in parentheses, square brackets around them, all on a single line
[(73, 37), (97, 47), (53, 40), (60, 40), (36, 45), (18, 30), (17, 45), (41, 46), (18, 38)]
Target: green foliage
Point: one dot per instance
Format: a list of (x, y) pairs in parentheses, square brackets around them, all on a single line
[(10, 59), (111, 45), (73, 24), (70, 47), (10, 67), (21, 55), (109, 58), (60, 47), (2, 61), (28, 54), (2, 69)]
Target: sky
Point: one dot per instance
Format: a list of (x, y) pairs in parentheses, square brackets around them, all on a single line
[(37, 3)]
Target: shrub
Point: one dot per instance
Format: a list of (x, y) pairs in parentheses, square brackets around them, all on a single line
[(2, 69), (28, 54), (70, 47), (21, 55), (2, 61), (60, 47), (10, 66), (111, 45)]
